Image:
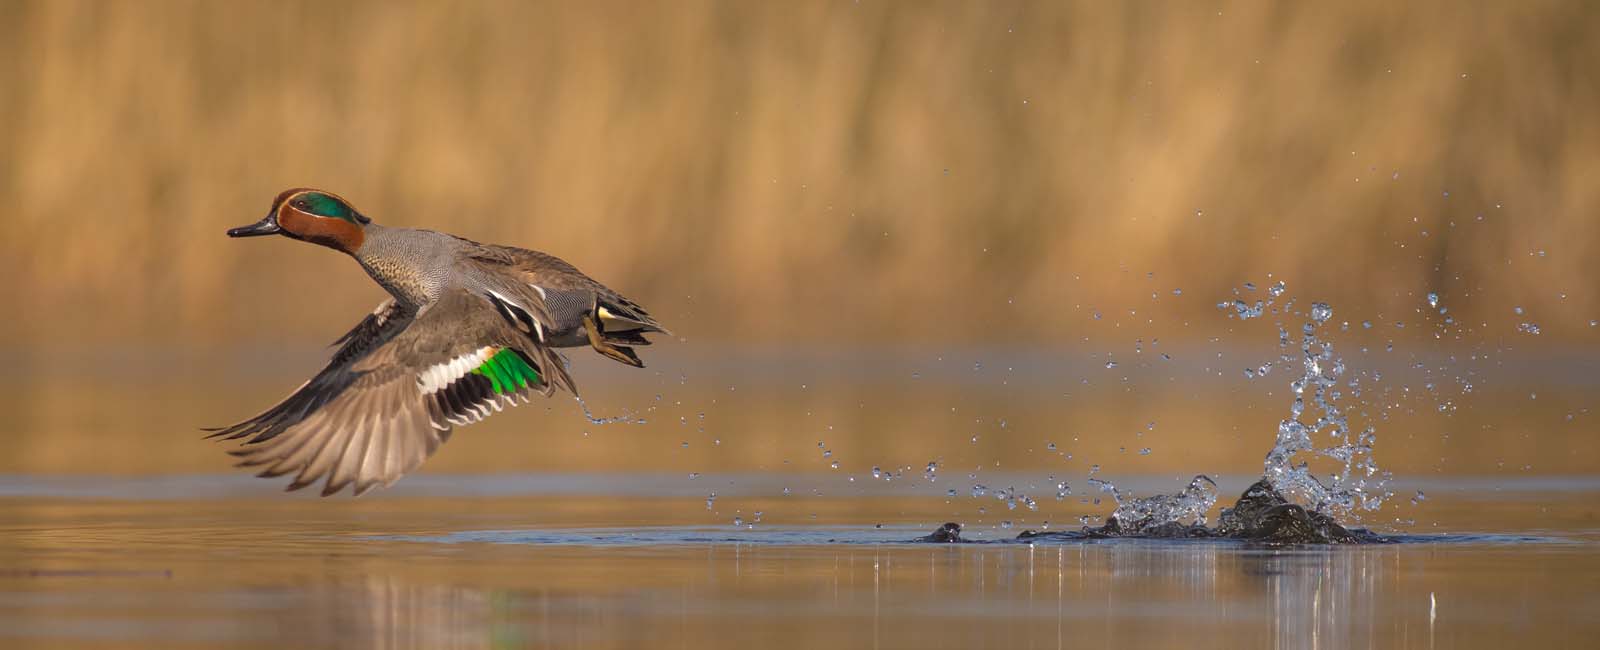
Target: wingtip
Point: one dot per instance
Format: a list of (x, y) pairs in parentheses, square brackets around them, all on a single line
[(330, 488), (213, 433), (297, 484)]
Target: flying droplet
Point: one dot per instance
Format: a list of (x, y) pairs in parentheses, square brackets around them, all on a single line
[(1321, 312)]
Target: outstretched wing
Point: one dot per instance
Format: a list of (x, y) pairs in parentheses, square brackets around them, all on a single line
[(452, 364), (383, 324)]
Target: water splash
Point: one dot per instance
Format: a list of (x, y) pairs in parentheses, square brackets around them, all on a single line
[(626, 416), (1356, 483), (1187, 508)]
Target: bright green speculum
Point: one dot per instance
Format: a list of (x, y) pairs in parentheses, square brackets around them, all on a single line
[(508, 371)]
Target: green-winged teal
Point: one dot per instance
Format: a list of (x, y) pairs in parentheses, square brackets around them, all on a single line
[(470, 328)]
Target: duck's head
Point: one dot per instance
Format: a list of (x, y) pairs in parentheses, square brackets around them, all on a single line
[(311, 215)]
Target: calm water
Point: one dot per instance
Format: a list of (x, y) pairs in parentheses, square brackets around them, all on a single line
[(520, 561), (120, 528)]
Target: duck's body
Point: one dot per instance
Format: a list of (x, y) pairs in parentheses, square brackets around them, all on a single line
[(470, 328)]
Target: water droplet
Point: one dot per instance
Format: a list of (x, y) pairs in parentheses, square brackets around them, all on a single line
[(1517, 309), (738, 522), (834, 465), (1419, 498), (1242, 309), (1529, 328), (1111, 364), (1144, 452), (1433, 299), (1321, 312), (877, 472)]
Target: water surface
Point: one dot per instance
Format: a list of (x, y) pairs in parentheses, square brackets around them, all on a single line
[(540, 528), (203, 561)]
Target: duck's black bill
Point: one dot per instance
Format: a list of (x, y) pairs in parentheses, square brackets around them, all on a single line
[(267, 226)]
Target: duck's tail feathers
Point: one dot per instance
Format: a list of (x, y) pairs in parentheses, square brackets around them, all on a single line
[(620, 315)]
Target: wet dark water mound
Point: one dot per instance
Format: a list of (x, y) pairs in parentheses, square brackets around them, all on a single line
[(1260, 515)]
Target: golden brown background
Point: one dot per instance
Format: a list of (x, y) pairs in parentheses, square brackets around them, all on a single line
[(939, 178), (818, 170)]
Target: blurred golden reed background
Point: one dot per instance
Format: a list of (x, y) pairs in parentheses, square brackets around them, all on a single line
[(819, 170)]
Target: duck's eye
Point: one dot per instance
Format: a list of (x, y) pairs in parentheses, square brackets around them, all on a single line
[(302, 204)]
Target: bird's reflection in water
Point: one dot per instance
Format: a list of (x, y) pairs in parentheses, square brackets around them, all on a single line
[(386, 611), (888, 596)]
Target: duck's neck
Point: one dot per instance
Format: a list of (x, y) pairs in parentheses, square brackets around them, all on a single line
[(406, 263)]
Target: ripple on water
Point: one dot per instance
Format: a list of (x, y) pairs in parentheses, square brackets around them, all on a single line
[(675, 536)]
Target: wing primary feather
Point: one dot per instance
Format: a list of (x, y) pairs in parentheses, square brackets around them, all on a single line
[(362, 431)]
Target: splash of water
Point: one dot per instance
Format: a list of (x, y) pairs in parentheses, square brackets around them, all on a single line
[(1188, 507), (626, 416), (1356, 483)]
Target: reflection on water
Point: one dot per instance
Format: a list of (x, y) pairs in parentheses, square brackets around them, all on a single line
[(567, 571), (155, 550)]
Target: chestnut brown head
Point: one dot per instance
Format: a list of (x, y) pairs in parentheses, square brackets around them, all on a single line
[(311, 215)]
